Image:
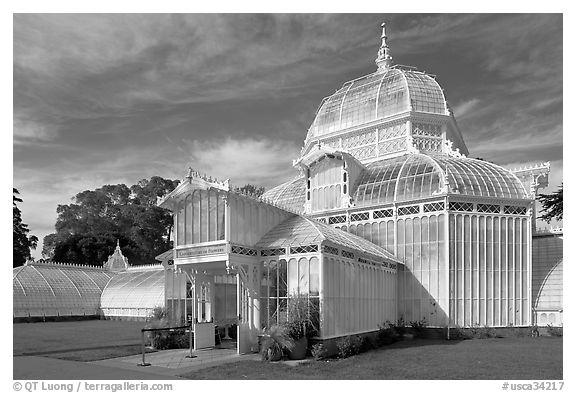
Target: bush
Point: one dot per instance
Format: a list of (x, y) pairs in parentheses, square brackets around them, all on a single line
[(460, 334), (165, 339), (522, 332), (319, 351), (386, 335), (369, 343), (418, 327), (303, 317), (158, 313), (274, 342), (349, 346), (554, 331), (399, 327), (482, 332)]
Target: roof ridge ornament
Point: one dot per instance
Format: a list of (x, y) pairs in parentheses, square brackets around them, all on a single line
[(384, 60)]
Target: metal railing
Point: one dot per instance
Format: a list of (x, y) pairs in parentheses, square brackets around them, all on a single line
[(170, 329)]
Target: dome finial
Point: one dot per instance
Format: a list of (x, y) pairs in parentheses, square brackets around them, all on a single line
[(384, 60)]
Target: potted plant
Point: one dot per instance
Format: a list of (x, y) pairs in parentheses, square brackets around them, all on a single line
[(274, 341), (301, 324)]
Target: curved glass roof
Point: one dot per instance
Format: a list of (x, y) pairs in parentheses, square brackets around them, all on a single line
[(57, 290), (302, 231), (378, 96), (415, 176), (290, 195), (549, 294), (138, 288)]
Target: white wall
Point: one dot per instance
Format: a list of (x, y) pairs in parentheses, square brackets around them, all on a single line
[(356, 297)]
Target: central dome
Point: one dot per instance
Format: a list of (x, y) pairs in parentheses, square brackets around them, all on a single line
[(388, 92)]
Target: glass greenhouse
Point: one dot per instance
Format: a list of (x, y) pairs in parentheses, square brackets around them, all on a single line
[(56, 290), (134, 293)]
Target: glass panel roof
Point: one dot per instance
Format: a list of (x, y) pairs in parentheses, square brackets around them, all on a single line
[(290, 195), (377, 96), (301, 231), (55, 289), (413, 176), (135, 289), (480, 178)]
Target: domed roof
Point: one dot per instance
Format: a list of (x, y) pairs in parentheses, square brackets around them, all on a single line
[(383, 94), (415, 176)]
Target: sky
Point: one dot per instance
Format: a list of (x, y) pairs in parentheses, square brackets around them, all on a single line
[(115, 98)]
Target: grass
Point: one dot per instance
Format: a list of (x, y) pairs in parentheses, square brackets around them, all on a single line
[(78, 340), (498, 358)]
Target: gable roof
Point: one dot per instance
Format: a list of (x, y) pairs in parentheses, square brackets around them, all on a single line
[(301, 231)]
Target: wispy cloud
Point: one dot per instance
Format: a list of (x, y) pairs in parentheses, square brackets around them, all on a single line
[(465, 108)]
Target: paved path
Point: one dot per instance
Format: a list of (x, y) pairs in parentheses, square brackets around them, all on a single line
[(164, 365), (174, 362), (36, 367)]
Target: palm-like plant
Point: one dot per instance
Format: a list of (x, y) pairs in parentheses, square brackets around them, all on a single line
[(274, 342)]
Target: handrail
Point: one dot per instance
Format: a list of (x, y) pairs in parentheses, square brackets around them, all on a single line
[(190, 356)]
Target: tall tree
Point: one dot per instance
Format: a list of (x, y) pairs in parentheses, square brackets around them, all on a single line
[(87, 229), (552, 205), (22, 243)]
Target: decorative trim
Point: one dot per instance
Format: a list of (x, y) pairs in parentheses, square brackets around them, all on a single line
[(272, 251), (304, 249), (244, 251)]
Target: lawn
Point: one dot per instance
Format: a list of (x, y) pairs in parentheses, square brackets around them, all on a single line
[(497, 358), (77, 340)]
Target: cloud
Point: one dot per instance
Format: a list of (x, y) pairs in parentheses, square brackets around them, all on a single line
[(263, 162), (466, 107), (29, 131)]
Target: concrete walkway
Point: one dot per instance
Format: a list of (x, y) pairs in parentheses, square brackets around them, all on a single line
[(36, 367), (172, 363)]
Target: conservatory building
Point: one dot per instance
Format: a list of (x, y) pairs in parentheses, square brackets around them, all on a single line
[(385, 218)]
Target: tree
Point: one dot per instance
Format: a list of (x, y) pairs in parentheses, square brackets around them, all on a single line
[(88, 228), (22, 243), (252, 189), (552, 205)]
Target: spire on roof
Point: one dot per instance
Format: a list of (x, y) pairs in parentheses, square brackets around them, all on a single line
[(384, 60), (116, 262)]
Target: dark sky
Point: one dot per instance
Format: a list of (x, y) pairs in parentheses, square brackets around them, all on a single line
[(114, 98)]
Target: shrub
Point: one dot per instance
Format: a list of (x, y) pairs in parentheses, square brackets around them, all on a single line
[(274, 342), (165, 339), (369, 343), (158, 313), (399, 327), (303, 317), (386, 335), (418, 327), (319, 351), (522, 332), (478, 331), (554, 331), (349, 346), (460, 334)]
